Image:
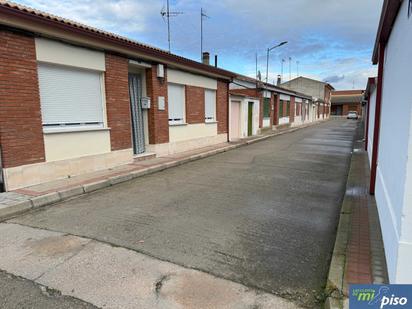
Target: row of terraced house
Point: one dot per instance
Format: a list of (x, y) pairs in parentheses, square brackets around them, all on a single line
[(75, 99)]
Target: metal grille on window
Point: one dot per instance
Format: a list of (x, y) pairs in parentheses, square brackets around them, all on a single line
[(135, 91)]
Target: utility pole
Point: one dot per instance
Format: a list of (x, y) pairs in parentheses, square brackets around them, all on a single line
[(283, 61), (290, 68), (168, 14), (202, 16), (267, 57), (297, 68)]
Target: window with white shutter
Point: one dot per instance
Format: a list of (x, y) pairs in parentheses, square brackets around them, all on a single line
[(210, 105), (70, 97), (176, 103)]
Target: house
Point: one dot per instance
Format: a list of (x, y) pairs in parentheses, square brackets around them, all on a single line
[(76, 99), (344, 101), (257, 106), (320, 91), (389, 135)]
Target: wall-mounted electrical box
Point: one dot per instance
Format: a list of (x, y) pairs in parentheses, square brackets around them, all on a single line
[(145, 102), (161, 103), (160, 70)]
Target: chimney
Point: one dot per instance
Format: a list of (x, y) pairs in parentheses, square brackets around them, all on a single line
[(215, 61), (206, 58), (279, 80)]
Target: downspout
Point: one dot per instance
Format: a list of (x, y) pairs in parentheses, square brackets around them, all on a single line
[(375, 147), (228, 111), (367, 123)]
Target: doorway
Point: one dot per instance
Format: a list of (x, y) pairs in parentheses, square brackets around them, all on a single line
[(235, 120), (250, 119), (135, 92)]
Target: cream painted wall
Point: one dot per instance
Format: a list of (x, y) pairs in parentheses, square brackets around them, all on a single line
[(184, 78), (65, 54), (284, 97), (68, 145), (191, 131), (32, 174)]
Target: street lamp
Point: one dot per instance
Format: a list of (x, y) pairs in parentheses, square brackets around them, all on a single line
[(267, 57)]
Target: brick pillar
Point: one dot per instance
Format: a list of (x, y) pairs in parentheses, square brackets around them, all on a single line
[(222, 107), (195, 104), (272, 108), (118, 102), (158, 119), (260, 110), (292, 110), (21, 132), (276, 111)]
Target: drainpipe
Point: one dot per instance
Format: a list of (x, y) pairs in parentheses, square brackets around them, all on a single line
[(375, 146), (367, 123), (372, 82)]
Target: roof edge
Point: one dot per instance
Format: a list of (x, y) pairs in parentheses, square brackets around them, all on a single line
[(390, 9)]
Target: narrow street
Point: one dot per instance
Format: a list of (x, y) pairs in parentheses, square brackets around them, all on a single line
[(261, 217)]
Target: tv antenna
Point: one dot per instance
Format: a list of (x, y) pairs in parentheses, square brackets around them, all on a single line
[(290, 68), (166, 13), (202, 16)]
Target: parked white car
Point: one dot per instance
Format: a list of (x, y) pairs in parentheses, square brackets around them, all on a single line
[(352, 115)]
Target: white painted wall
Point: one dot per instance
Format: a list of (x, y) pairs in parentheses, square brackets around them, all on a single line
[(394, 173), (372, 107), (186, 132), (69, 145), (244, 103), (59, 53), (184, 78)]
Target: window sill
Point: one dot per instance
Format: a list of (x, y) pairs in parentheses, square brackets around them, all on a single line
[(211, 122), (177, 124), (72, 130)]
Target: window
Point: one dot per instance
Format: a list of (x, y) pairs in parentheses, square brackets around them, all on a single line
[(266, 108), (70, 97), (210, 105), (287, 109), (176, 97), (281, 109)]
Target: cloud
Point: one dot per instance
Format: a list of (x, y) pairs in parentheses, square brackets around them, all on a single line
[(334, 79), (327, 37)]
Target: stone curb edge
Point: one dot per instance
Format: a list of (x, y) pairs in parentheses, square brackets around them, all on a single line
[(61, 195), (336, 298)]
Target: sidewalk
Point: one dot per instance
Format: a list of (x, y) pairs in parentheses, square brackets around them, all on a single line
[(358, 256), (21, 200)]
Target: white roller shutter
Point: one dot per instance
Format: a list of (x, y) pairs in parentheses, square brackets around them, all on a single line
[(210, 105), (70, 96), (176, 103)]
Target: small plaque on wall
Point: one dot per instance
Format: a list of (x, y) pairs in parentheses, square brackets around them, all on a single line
[(161, 103)]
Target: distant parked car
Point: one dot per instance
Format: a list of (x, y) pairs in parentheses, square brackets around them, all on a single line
[(352, 115)]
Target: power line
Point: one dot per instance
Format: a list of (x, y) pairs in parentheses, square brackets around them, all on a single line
[(166, 13)]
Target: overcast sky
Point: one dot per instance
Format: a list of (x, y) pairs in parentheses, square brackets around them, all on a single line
[(331, 39)]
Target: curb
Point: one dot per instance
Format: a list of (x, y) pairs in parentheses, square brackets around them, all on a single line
[(61, 195), (335, 291)]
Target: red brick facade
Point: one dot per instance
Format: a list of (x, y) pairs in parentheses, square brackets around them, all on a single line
[(276, 109), (222, 107), (292, 110), (21, 132), (158, 119), (195, 104), (117, 102)]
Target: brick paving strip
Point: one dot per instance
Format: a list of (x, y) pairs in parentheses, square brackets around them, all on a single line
[(22, 200), (358, 256)]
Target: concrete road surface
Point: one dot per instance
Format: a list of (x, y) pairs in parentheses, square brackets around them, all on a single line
[(263, 215)]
